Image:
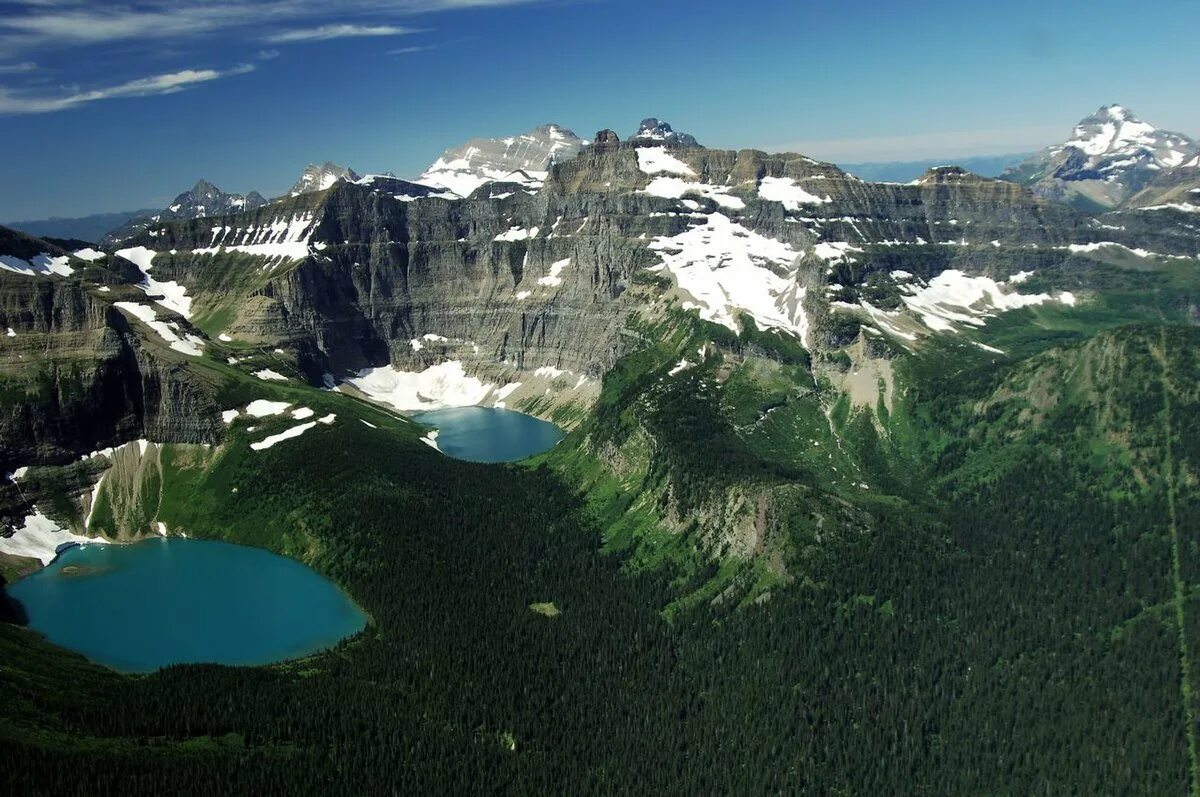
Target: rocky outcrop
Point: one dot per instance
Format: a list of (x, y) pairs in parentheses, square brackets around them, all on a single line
[(78, 379), (77, 376)]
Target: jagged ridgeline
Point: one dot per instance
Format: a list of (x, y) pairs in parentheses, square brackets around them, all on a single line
[(869, 488)]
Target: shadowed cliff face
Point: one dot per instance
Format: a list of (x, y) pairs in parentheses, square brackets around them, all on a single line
[(77, 377)]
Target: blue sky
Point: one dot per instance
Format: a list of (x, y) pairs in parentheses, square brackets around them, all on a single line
[(110, 106)]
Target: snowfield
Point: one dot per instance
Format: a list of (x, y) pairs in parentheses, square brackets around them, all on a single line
[(168, 331), (785, 190), (655, 160), (437, 387), (39, 537), (39, 266), (728, 269), (952, 298), (174, 296)]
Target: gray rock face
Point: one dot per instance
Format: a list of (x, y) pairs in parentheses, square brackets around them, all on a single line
[(523, 281), (524, 160), (1174, 189), (83, 377), (204, 199), (319, 178), (652, 129), (1110, 156)]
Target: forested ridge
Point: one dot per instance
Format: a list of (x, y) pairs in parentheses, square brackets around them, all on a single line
[(1004, 620)]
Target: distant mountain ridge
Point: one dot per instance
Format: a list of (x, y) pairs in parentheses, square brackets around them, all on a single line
[(85, 228), (906, 171)]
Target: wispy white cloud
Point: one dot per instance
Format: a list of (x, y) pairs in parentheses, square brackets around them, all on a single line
[(342, 31), (12, 103), (148, 28), (60, 23), (419, 48), (17, 69)]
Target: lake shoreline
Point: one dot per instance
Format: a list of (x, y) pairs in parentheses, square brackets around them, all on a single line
[(135, 609)]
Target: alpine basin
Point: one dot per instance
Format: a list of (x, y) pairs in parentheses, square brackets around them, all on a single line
[(140, 607), (486, 434)]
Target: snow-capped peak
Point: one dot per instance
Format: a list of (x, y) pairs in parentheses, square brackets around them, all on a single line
[(1115, 131), (652, 129), (319, 178), (1110, 155), (524, 159)]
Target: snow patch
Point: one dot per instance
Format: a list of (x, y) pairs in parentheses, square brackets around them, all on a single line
[(654, 160), (517, 234), (554, 278), (286, 434), (39, 537), (953, 297), (269, 374), (174, 296), (41, 265), (728, 269), (677, 188), (89, 254), (682, 365), (184, 343), (785, 190), (438, 386), (261, 408)]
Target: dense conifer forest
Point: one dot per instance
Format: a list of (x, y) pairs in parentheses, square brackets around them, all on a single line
[(1008, 623)]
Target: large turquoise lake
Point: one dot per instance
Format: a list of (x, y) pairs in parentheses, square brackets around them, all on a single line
[(140, 607), (486, 434)]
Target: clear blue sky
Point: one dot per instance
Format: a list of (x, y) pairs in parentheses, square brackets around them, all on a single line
[(110, 106)]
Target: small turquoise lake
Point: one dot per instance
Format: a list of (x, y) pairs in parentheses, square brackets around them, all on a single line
[(486, 434), (140, 607)]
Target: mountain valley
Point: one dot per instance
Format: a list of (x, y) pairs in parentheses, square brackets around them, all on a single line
[(865, 488)]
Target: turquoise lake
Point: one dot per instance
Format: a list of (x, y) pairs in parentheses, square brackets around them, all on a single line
[(140, 607), (486, 434)]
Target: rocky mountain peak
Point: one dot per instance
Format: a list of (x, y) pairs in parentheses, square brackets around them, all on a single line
[(605, 138), (318, 178), (523, 159), (200, 201), (656, 130), (205, 188)]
